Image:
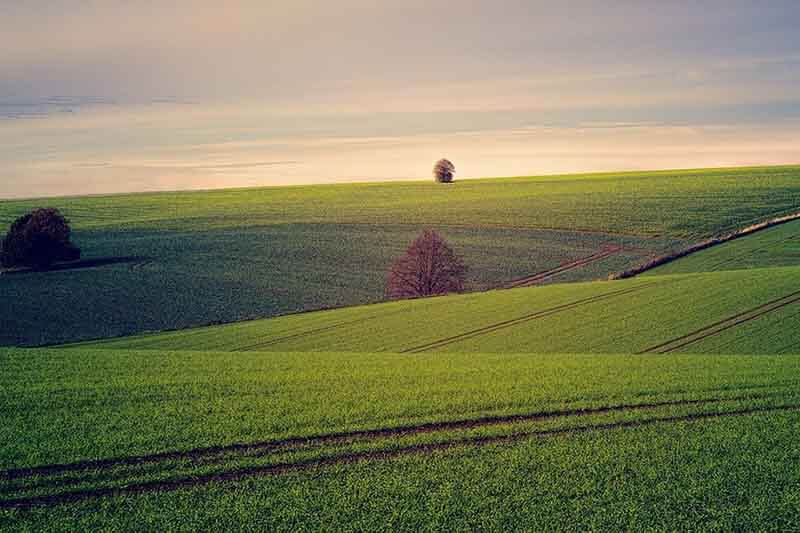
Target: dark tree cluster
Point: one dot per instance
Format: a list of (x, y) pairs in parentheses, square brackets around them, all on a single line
[(38, 239), (443, 171), (429, 267)]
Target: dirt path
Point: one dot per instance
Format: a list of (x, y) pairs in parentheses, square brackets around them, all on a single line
[(354, 457), (718, 327)]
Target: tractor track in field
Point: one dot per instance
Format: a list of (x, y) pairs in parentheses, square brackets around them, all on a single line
[(723, 325), (537, 278), (37, 477), (357, 457), (300, 334), (141, 265), (313, 331), (522, 282), (527, 318), (260, 450), (751, 252), (215, 456), (331, 438)]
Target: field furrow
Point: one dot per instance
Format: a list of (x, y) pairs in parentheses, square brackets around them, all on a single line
[(372, 434), (127, 483), (628, 316), (578, 263), (521, 320), (723, 325)]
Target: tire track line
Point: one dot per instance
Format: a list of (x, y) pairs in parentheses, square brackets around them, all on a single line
[(527, 318), (722, 325), (749, 253), (541, 276), (299, 335), (368, 434), (372, 455), (314, 331), (122, 472)]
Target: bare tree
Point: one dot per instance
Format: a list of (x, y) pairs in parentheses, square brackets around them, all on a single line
[(443, 171), (429, 267)]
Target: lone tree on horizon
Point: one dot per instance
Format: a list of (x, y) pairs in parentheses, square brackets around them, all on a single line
[(38, 240), (443, 171), (429, 267)]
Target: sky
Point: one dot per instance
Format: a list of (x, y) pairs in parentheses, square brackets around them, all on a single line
[(104, 96)]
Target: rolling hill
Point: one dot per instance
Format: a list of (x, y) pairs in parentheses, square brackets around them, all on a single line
[(177, 260), (648, 314), (665, 401)]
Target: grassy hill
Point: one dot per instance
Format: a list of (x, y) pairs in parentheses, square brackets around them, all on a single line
[(197, 258), (521, 408), (639, 203), (150, 435), (629, 316), (772, 247)]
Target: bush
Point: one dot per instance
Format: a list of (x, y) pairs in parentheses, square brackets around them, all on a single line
[(38, 240), (443, 171), (429, 267)]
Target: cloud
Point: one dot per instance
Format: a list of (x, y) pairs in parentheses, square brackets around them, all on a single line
[(198, 93), (292, 52)]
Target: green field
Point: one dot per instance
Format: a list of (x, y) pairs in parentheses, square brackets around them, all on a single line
[(501, 421), (668, 401), (725, 474), (772, 247), (196, 258), (628, 316), (684, 203)]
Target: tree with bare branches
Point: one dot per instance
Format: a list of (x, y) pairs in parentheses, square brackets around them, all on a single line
[(443, 171), (429, 267)]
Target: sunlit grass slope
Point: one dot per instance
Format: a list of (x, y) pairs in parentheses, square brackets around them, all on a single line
[(70, 405), (736, 473), (198, 438), (306, 422), (219, 256), (636, 315), (682, 203), (775, 246)]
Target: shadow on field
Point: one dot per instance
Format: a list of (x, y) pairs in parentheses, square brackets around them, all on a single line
[(81, 264)]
